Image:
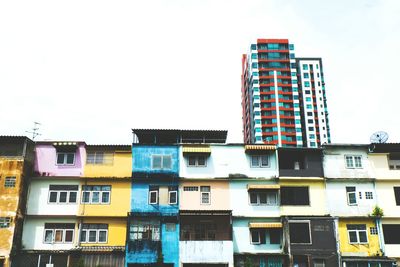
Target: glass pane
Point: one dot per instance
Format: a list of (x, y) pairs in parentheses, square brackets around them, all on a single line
[(205, 198), (58, 236), (106, 188), (72, 197), (53, 197), (167, 162), (201, 161), (192, 161), (153, 197), (95, 197), (68, 235), (96, 188), (349, 162), (204, 188), (156, 162), (253, 198), (90, 158), (48, 236), (99, 158), (60, 158), (263, 198), (254, 161), (255, 237), (353, 236), (363, 236), (63, 197), (272, 198), (83, 235), (105, 198), (102, 236), (358, 162), (86, 197), (92, 236), (172, 197), (70, 158), (264, 161)]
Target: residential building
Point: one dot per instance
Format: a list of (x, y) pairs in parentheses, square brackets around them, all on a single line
[(16, 165), (352, 197), (385, 159), (283, 97)]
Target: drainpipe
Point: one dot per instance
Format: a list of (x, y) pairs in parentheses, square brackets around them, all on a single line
[(379, 226)]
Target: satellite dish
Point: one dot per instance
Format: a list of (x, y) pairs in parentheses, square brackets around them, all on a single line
[(379, 137)]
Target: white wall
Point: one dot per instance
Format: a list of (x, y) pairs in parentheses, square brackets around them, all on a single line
[(33, 234), (206, 252), (225, 160), (386, 197), (240, 201), (334, 163), (380, 166), (336, 196), (242, 242), (38, 196)]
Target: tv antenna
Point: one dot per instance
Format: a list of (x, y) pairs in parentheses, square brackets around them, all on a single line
[(35, 130), (379, 137)]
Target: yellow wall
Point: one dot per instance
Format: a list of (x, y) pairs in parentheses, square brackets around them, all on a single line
[(316, 189), (121, 167), (9, 200), (381, 166), (370, 249), (116, 231), (120, 199)]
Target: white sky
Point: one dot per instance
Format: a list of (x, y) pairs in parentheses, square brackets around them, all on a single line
[(92, 70)]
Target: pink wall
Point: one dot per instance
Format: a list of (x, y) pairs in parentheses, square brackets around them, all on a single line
[(46, 161)]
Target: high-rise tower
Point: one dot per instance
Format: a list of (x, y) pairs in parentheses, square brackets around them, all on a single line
[(283, 104)]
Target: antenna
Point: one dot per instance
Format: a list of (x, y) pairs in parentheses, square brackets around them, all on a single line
[(379, 137), (35, 130)]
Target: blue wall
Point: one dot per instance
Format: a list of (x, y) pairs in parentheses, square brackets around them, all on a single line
[(170, 245), (142, 156), (140, 199)]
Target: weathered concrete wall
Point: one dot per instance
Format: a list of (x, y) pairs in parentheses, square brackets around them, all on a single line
[(206, 252)]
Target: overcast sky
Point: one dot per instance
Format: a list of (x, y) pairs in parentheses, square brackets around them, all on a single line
[(92, 70)]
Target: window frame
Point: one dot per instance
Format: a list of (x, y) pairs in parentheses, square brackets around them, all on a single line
[(396, 191), (53, 235), (207, 193), (353, 161), (107, 158), (97, 230), (100, 195), (309, 230), (196, 161), (259, 191), (58, 192), (357, 231), (259, 161), (5, 222), (65, 159), (251, 236), (169, 197), (10, 181), (163, 156), (348, 196), (150, 193)]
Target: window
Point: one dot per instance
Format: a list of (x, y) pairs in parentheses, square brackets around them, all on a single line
[(190, 188), (319, 263), (397, 195), (58, 232), (96, 194), (259, 161), (305, 67), (205, 195), (161, 162), (172, 195), (5, 222), (373, 230), (357, 233), (261, 236), (255, 237), (295, 196), (9, 182), (394, 161), (306, 84), (306, 75), (98, 157), (144, 230), (369, 195), (153, 195), (94, 233), (197, 161), (299, 232), (65, 158), (263, 197), (351, 195), (353, 162), (391, 233), (63, 193)]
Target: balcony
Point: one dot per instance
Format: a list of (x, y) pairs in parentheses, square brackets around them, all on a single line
[(217, 251)]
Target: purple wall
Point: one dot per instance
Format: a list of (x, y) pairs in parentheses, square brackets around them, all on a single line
[(46, 161)]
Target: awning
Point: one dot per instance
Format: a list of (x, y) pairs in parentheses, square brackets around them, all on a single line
[(253, 148), (265, 225), (197, 149), (263, 186)]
